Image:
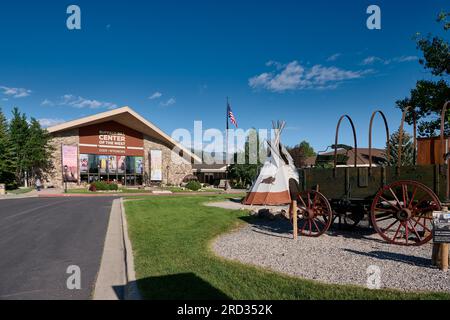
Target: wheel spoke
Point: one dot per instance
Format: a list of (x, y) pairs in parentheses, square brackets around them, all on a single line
[(395, 197), (405, 195), (422, 225), (398, 230), (412, 197), (389, 203), (390, 226), (415, 231), (315, 224), (303, 202), (406, 232), (309, 200), (314, 200), (303, 227)]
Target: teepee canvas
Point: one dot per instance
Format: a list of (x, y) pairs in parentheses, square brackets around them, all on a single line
[(272, 185)]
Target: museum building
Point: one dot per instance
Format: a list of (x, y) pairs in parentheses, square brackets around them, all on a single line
[(117, 146)]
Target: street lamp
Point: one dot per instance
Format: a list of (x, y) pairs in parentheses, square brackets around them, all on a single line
[(66, 168)]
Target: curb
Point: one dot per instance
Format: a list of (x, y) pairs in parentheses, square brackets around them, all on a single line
[(131, 288), (111, 277)]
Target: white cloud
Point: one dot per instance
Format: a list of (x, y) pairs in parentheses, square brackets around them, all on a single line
[(47, 103), (169, 102), (294, 76), (406, 58), (155, 95), (372, 60), (46, 122), (334, 57), (80, 102), (15, 92)]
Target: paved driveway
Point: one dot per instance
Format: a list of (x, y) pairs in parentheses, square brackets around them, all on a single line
[(41, 238)]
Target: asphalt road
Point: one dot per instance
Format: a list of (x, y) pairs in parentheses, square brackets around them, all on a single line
[(41, 238)]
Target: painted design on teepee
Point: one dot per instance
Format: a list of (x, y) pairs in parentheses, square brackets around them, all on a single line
[(272, 185)]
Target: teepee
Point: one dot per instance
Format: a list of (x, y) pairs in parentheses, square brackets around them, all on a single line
[(272, 185)]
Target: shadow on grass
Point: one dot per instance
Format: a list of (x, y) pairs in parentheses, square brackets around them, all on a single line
[(182, 286)]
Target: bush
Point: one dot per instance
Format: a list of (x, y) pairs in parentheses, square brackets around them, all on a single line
[(194, 185), (103, 186)]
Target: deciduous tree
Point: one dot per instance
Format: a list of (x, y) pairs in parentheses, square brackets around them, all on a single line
[(429, 96)]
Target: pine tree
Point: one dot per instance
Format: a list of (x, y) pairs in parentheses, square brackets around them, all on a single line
[(18, 133), (38, 151), (6, 156), (407, 149)]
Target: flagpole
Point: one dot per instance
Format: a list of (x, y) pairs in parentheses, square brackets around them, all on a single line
[(226, 134)]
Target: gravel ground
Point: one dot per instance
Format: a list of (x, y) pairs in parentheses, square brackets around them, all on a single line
[(340, 257)]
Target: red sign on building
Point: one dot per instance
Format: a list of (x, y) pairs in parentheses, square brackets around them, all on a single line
[(111, 138)]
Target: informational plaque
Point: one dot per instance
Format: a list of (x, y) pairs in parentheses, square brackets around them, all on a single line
[(156, 165), (441, 227)]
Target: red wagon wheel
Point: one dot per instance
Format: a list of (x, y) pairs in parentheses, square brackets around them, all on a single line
[(402, 213), (314, 214)]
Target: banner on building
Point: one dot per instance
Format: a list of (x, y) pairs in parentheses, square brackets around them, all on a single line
[(84, 163), (139, 165), (121, 165), (156, 165), (70, 163), (112, 164), (103, 164)]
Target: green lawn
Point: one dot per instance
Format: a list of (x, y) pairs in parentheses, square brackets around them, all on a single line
[(120, 191), (171, 239), (21, 191), (130, 191)]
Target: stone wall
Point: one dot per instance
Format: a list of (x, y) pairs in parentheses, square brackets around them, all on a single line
[(70, 138), (174, 167)]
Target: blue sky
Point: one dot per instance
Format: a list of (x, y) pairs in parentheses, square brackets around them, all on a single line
[(306, 62)]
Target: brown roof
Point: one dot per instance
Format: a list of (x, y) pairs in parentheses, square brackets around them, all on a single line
[(378, 157)]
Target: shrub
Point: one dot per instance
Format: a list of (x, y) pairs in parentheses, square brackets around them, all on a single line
[(103, 186), (194, 185)]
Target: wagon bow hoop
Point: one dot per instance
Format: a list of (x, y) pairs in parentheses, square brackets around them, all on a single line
[(444, 151), (336, 141), (443, 114), (388, 145)]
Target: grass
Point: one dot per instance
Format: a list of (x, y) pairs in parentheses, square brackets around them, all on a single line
[(171, 239), (121, 190), (131, 191), (185, 190), (21, 191)]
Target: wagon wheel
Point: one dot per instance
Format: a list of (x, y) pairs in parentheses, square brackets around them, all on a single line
[(402, 213), (314, 214)]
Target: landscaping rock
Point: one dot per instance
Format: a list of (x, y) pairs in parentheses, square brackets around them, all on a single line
[(338, 257)]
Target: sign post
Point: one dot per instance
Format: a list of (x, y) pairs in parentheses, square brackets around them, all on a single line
[(441, 238)]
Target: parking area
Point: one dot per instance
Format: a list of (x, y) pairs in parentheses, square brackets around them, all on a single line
[(41, 238)]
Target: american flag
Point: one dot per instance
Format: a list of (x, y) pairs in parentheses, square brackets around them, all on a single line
[(231, 116)]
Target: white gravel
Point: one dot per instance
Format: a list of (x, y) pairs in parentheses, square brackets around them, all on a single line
[(339, 257)]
